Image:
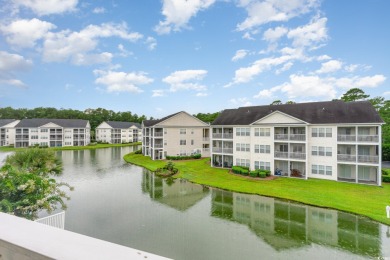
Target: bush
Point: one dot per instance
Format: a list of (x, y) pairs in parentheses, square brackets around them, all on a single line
[(138, 151), (253, 173), (385, 178), (262, 174), (245, 172), (386, 152), (184, 157), (236, 169), (267, 172), (386, 172)]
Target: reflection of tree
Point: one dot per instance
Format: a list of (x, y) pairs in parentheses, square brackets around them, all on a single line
[(169, 181)]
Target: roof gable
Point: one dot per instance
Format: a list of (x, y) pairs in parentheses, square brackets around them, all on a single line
[(50, 125), (278, 117), (182, 119), (103, 125)]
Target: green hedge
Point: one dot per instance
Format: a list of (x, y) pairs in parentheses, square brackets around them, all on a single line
[(254, 173), (138, 151), (386, 178), (185, 157), (245, 171), (385, 171), (386, 152), (262, 174)]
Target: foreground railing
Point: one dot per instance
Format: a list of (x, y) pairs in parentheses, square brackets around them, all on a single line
[(56, 220)]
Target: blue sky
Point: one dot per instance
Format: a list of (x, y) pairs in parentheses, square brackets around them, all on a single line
[(156, 57)]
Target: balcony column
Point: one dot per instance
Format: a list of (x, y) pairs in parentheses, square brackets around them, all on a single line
[(306, 152)]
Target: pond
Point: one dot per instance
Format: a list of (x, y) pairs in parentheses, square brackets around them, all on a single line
[(128, 205)]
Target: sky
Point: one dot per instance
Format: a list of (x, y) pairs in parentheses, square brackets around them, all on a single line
[(158, 57)]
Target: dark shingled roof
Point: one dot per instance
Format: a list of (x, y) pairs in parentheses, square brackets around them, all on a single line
[(4, 122), (123, 125), (149, 123), (67, 123), (328, 112)]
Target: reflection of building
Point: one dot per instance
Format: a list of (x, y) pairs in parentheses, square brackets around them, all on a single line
[(176, 134), (175, 193), (330, 140), (285, 225), (114, 132)]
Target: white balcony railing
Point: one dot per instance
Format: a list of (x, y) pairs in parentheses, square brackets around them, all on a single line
[(158, 134), (368, 138), (298, 137), (301, 156), (346, 138), (222, 150), (368, 158), (281, 154), (56, 220), (281, 137), (346, 158)]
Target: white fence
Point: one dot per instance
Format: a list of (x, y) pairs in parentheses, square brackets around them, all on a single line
[(56, 220)]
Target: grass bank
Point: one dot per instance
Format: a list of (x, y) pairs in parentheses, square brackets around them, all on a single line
[(88, 147), (360, 199)]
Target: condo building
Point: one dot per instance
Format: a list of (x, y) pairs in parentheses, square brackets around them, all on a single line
[(115, 132), (176, 134), (7, 131), (327, 140), (52, 132)]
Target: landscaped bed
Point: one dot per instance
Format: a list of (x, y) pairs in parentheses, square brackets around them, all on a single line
[(366, 200)]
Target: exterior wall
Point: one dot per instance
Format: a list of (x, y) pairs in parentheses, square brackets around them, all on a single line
[(104, 133), (193, 138), (7, 134)]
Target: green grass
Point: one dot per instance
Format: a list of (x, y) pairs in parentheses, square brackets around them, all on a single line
[(87, 147), (365, 200)]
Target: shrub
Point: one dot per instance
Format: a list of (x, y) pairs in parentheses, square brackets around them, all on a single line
[(245, 172), (236, 169), (262, 174), (253, 173), (386, 152), (385, 178), (183, 157), (267, 172), (138, 151), (385, 171)]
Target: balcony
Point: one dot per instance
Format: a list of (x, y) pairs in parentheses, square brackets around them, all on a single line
[(281, 154), (158, 145), (368, 159), (206, 139), (346, 158), (286, 155), (222, 136), (158, 134), (297, 137), (301, 156), (346, 138), (368, 138), (281, 136), (222, 150)]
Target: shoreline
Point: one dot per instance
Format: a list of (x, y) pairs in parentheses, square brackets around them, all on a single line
[(346, 197)]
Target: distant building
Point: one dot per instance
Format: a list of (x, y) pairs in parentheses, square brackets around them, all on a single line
[(176, 134), (327, 140), (52, 132), (115, 132), (7, 131)]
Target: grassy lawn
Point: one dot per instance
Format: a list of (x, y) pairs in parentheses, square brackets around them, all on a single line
[(360, 199), (88, 147)]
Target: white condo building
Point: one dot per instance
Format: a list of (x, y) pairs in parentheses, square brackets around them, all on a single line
[(7, 131), (328, 140), (176, 134), (52, 132), (115, 132)]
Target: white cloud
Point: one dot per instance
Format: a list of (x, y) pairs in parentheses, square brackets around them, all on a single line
[(265, 93), (151, 42), (285, 67), (158, 93), (178, 13), (246, 74), (310, 34), (11, 64), (330, 66), (308, 86), (186, 80), (361, 82), (264, 11), (99, 10), (47, 7), (240, 54), (273, 35), (202, 94), (68, 45), (323, 57), (122, 81), (241, 102), (24, 33), (248, 36), (123, 51)]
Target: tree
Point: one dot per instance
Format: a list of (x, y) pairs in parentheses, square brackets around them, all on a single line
[(276, 102), (26, 185), (354, 94)]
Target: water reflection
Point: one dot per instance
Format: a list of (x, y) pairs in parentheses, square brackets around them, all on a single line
[(285, 225), (175, 193)]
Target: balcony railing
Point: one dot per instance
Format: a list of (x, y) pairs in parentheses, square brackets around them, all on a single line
[(346, 138), (158, 134), (301, 156), (206, 139), (368, 158), (206, 149), (222, 135), (281, 154), (222, 150), (281, 137), (158, 146), (346, 158), (368, 138), (298, 137)]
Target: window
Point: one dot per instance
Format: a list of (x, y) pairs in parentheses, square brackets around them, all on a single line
[(192, 142), (34, 130), (321, 151), (257, 148), (321, 132), (329, 170), (44, 130), (265, 149), (328, 132), (262, 132), (314, 169), (328, 151), (183, 131), (34, 137), (314, 132), (242, 147), (314, 150), (183, 142), (262, 165), (321, 169), (243, 162), (243, 131)]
